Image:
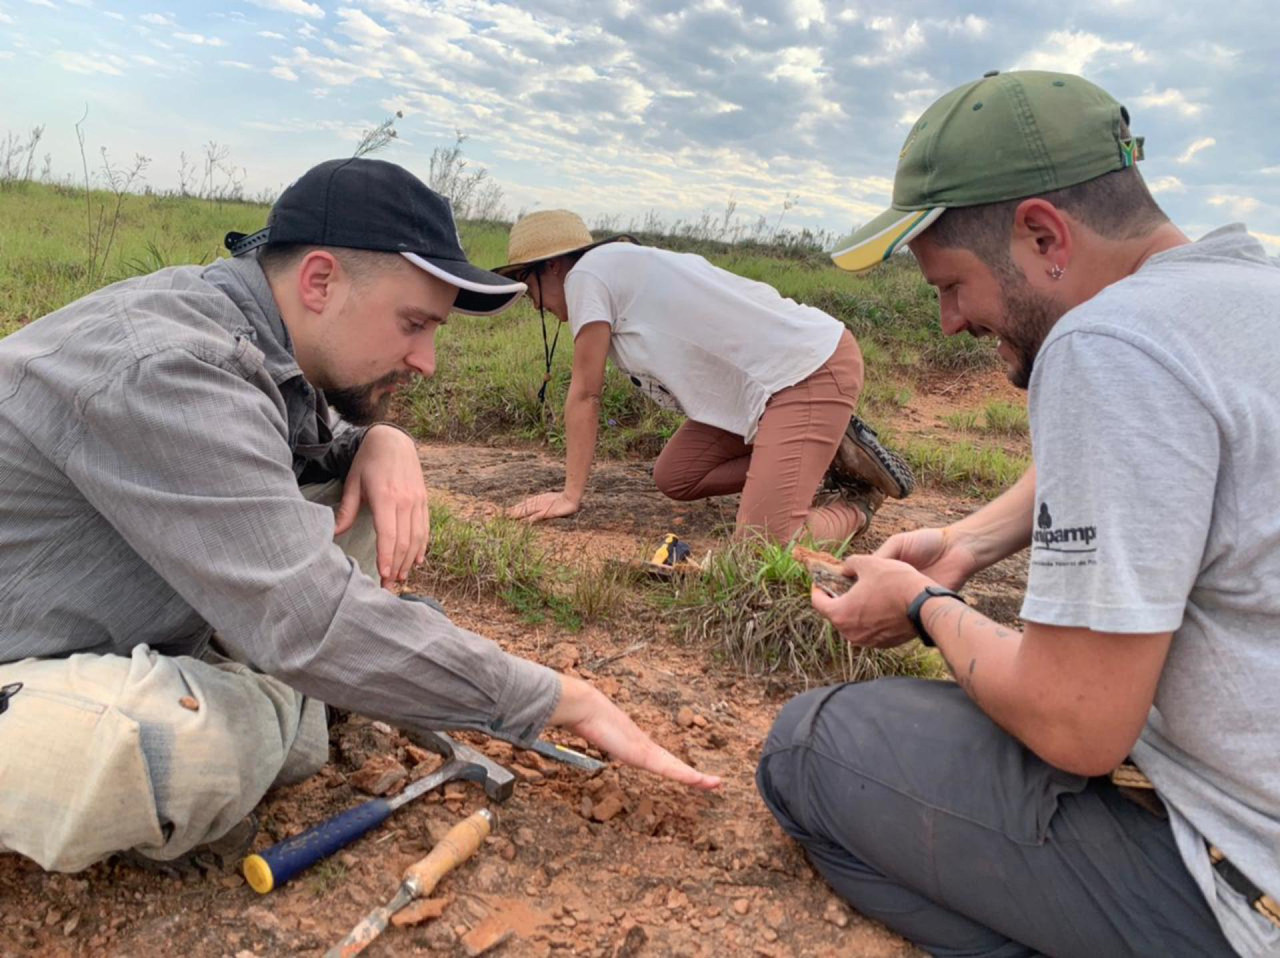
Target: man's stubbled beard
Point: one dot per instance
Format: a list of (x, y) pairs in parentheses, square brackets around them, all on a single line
[(356, 403), (1034, 315)]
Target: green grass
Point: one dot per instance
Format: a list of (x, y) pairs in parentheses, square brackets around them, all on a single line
[(996, 418), (961, 466), (44, 243), (751, 607), (503, 558), (490, 369)]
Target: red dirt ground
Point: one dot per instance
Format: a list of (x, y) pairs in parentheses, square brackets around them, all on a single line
[(620, 864)]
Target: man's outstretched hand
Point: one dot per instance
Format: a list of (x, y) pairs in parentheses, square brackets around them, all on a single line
[(588, 713)]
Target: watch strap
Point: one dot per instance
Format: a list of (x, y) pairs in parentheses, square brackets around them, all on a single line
[(916, 607)]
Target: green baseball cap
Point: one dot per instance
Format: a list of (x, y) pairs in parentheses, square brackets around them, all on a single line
[(1003, 137)]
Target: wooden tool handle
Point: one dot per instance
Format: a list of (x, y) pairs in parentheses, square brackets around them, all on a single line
[(455, 848)]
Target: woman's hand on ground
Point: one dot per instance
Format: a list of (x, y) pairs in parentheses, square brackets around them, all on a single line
[(589, 713), (547, 505)]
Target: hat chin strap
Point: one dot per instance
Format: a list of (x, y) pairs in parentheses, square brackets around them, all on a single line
[(548, 352)]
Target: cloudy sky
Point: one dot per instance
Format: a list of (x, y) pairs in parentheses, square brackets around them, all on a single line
[(792, 109)]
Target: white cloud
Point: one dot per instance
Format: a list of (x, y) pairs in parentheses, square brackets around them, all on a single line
[(808, 12), (1173, 99), (237, 64), (159, 19), (330, 71), (1270, 170), (6, 54), (361, 27), (43, 3), (1166, 184), (113, 14), (1065, 51), (895, 43), (5, 18), (1269, 240), (200, 40), (970, 26), (84, 63), (271, 35), (1196, 146), (300, 7), (283, 72), (802, 65), (145, 60), (1239, 206)]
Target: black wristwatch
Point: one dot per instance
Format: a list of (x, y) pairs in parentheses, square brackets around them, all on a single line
[(913, 610)]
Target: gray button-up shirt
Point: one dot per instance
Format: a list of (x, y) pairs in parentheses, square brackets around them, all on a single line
[(152, 438)]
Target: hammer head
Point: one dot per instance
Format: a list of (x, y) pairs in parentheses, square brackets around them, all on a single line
[(472, 765)]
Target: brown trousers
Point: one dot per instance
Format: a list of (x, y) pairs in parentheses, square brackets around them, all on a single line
[(779, 473)]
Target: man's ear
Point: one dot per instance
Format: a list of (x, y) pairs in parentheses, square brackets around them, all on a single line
[(1041, 243), (318, 275)]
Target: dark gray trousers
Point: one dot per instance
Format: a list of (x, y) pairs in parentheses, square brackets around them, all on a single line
[(923, 814)]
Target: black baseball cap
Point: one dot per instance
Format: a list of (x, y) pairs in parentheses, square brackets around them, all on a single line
[(358, 203)]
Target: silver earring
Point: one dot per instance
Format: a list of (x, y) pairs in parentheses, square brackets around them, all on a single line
[(1057, 272)]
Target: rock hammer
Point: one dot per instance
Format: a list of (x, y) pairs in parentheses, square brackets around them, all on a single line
[(282, 861)]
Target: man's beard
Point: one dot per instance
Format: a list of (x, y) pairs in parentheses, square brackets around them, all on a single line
[(1031, 315), (356, 403)]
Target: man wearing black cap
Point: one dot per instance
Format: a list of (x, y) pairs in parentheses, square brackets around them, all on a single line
[(168, 470)]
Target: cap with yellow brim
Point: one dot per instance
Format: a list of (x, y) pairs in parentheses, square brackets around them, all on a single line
[(1002, 137), (882, 237)]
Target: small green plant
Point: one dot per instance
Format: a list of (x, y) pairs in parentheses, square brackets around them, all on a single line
[(960, 466), (325, 877), (751, 604), (493, 557), (502, 557), (997, 418), (1006, 419), (967, 420)]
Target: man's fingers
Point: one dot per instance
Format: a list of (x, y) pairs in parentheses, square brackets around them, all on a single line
[(823, 604), (349, 507), (405, 543), (668, 766), (421, 533), (384, 527)]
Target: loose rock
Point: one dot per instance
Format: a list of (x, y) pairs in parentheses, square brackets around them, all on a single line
[(380, 775), (419, 911)]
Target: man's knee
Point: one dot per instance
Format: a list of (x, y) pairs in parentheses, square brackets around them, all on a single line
[(143, 752), (778, 773), (856, 725)]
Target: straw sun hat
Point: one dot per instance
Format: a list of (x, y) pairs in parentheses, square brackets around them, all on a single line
[(547, 234)]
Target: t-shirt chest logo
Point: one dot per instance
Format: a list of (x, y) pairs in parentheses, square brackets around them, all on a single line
[(1063, 539)]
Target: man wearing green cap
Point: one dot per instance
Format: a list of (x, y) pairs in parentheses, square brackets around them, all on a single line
[(1104, 781)]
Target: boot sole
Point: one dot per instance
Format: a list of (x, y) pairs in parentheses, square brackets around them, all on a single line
[(861, 456)]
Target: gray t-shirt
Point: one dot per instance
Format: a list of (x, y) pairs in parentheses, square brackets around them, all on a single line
[(1155, 423)]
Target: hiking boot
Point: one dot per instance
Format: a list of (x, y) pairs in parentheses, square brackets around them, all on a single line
[(860, 456), (217, 855), (856, 493)]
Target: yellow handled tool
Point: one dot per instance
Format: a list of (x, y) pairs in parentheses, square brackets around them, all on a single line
[(420, 880)]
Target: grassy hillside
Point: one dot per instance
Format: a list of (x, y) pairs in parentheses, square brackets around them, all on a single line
[(57, 244)]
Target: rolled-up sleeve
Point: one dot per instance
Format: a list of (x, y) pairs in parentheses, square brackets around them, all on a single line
[(189, 461)]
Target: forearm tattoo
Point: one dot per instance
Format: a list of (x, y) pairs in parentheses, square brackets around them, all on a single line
[(951, 620)]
